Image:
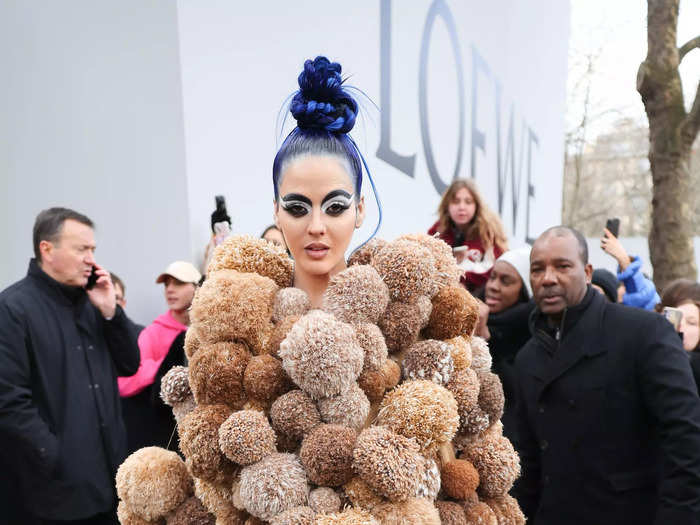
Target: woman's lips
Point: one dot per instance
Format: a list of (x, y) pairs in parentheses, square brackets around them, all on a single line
[(490, 301), (316, 252)]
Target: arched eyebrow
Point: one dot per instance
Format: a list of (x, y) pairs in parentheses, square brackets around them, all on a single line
[(297, 197), (335, 193)]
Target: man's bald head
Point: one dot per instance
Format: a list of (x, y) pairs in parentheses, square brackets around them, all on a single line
[(565, 231)]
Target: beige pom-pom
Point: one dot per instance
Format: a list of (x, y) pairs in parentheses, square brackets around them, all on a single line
[(448, 273), (294, 414), (347, 517), (507, 510), (480, 513), (216, 374), (356, 295), (192, 341), (290, 302), (408, 270), (392, 373), (218, 501), (416, 511), (464, 386), (301, 515), (491, 397), (175, 386), (496, 462), (361, 495), (279, 334), (246, 437), (451, 513), (400, 325), (481, 357), (430, 481), (461, 352), (372, 384), (430, 360), (349, 409), (455, 312), (127, 517), (371, 340), (365, 254), (326, 454), (425, 307), (191, 512), (324, 500), (180, 410), (265, 379)]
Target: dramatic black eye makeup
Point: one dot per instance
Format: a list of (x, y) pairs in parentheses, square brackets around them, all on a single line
[(333, 204), (296, 205)]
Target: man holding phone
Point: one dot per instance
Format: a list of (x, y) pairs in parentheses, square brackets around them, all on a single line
[(61, 346)]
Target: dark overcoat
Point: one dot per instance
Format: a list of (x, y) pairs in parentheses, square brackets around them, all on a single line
[(608, 420), (62, 437)]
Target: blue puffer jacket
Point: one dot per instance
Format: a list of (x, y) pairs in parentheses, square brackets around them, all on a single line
[(640, 291)]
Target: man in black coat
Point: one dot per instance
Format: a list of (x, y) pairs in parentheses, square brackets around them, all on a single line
[(62, 437), (608, 415)]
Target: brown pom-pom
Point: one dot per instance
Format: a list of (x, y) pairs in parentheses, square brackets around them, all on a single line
[(416, 511), (392, 373), (356, 295), (387, 462), (153, 481), (180, 410), (400, 324), (301, 515), (216, 374), (361, 495), (451, 513), (461, 352), (407, 269), (464, 386), (127, 517), (496, 462), (349, 409), (294, 414), (175, 386), (199, 442), (192, 341), (246, 437), (448, 273), (191, 512), (372, 384), (455, 312), (365, 254), (475, 421), (425, 307), (217, 500), (480, 513), (421, 410), (371, 340), (347, 517), (290, 302), (279, 333), (430, 360), (507, 510), (273, 485), (491, 398), (324, 500), (265, 379), (234, 306), (326, 454), (321, 355), (481, 357), (429, 484), (459, 479), (244, 253)]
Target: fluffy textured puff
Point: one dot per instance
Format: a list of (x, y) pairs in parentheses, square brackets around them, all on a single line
[(265, 379), (507, 510), (294, 414), (153, 481), (392, 373), (290, 301), (199, 442), (491, 397), (480, 514), (416, 511), (430, 360), (361, 495), (321, 355), (455, 312), (421, 410), (461, 352), (349, 409), (372, 384), (476, 421), (248, 254), (175, 386), (481, 356), (447, 271), (371, 340), (324, 500), (191, 512), (279, 333), (180, 410), (234, 306), (326, 454), (408, 270), (273, 485), (365, 254), (496, 462), (192, 341), (429, 485), (451, 513), (400, 324), (217, 500), (301, 515), (425, 307), (356, 295), (464, 386), (127, 517), (459, 479), (246, 437), (387, 462), (347, 517), (216, 374)]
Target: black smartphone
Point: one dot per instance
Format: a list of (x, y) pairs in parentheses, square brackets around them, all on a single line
[(220, 203), (92, 280), (613, 225)]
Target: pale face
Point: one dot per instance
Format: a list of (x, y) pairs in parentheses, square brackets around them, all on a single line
[(317, 213), (690, 325), (178, 295), (274, 236), (462, 207), (70, 258)]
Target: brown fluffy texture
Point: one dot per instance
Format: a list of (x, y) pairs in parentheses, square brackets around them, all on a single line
[(496, 462), (244, 253), (387, 462), (217, 500), (321, 355), (416, 511), (301, 515), (349, 409), (461, 352), (326, 454), (464, 386), (265, 379), (372, 384), (430, 360), (199, 442), (347, 517), (290, 301), (252, 520), (273, 485), (191, 512), (480, 514), (491, 398), (451, 513), (127, 517), (459, 479), (447, 271), (507, 510), (425, 306), (216, 374), (294, 414), (175, 386), (481, 357), (455, 312), (356, 295), (279, 333), (246, 437), (421, 410), (430, 482), (361, 495), (192, 341), (392, 373), (365, 254), (371, 340), (400, 324), (180, 410), (475, 421), (324, 500), (408, 270), (234, 306), (153, 481)]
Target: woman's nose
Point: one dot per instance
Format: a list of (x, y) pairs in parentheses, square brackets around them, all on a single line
[(317, 226)]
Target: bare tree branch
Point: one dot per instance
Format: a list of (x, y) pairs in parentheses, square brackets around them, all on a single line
[(691, 124), (688, 46)]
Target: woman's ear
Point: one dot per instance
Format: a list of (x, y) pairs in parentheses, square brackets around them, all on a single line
[(360, 218)]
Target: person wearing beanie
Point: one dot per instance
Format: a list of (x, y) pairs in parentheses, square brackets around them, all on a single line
[(605, 283), (508, 296)]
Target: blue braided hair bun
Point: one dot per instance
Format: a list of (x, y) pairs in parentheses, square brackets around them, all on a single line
[(321, 102)]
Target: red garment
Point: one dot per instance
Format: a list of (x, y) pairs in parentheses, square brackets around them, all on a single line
[(154, 343)]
